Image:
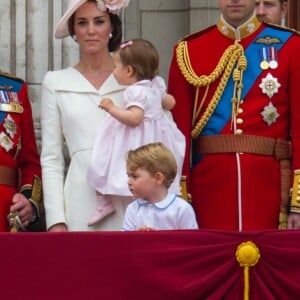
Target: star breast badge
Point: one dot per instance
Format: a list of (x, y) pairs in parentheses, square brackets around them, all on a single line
[(6, 142), (10, 126), (270, 85), (270, 114)]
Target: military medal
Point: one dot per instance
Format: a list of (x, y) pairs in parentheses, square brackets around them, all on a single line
[(13, 96), (273, 58), (9, 102), (12, 107), (10, 126), (16, 107), (4, 97), (264, 65), (273, 64), (270, 85), (5, 142), (270, 114)]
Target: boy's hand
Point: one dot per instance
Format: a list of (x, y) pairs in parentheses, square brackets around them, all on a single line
[(146, 228)]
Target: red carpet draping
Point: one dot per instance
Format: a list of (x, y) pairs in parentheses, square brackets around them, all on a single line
[(162, 265)]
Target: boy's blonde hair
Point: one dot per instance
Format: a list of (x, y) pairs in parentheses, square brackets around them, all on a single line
[(154, 158), (142, 56)]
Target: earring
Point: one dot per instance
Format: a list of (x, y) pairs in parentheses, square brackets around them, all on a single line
[(110, 35), (74, 37)]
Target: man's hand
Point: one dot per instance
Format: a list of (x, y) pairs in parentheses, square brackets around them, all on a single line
[(294, 221), (22, 206)]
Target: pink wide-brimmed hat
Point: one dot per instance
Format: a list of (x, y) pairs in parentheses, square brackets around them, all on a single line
[(112, 6)]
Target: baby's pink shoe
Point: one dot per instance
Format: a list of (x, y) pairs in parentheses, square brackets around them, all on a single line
[(103, 209)]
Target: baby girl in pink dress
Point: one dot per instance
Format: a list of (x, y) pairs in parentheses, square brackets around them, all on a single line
[(140, 120)]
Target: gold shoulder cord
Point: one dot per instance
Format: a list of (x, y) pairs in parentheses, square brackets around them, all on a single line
[(232, 55)]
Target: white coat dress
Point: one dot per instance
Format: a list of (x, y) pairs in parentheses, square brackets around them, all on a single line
[(70, 113)]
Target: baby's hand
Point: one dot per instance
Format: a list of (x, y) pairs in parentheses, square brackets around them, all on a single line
[(106, 104)]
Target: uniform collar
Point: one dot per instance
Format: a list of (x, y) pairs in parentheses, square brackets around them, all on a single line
[(161, 204), (240, 32)]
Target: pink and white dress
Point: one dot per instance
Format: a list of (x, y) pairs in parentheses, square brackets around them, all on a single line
[(107, 170)]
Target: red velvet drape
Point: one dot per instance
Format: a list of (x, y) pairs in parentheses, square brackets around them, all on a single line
[(162, 265)]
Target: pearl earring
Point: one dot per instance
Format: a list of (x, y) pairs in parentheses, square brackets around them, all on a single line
[(74, 37), (110, 35)]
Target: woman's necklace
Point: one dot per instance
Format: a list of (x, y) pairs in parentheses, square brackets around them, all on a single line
[(85, 67)]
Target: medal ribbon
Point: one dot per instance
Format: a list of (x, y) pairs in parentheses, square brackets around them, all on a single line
[(222, 113), (4, 94)]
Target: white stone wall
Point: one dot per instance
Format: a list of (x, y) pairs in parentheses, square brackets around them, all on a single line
[(28, 49)]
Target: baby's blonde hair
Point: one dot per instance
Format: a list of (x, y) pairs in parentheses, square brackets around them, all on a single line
[(153, 158)]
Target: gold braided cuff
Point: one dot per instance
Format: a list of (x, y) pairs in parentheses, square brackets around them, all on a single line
[(36, 194), (283, 220), (295, 199), (183, 190)]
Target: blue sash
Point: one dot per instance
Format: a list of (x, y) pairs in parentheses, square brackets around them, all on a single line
[(13, 85), (222, 113)]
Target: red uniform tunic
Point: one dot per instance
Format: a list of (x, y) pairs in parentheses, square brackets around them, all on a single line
[(240, 191), (17, 142)]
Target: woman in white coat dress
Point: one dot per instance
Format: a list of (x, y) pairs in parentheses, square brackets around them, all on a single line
[(70, 115)]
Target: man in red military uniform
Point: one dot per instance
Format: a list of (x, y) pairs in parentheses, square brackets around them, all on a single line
[(20, 170), (271, 11), (237, 90)]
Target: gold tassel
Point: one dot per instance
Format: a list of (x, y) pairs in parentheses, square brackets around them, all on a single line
[(13, 222), (247, 255)]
